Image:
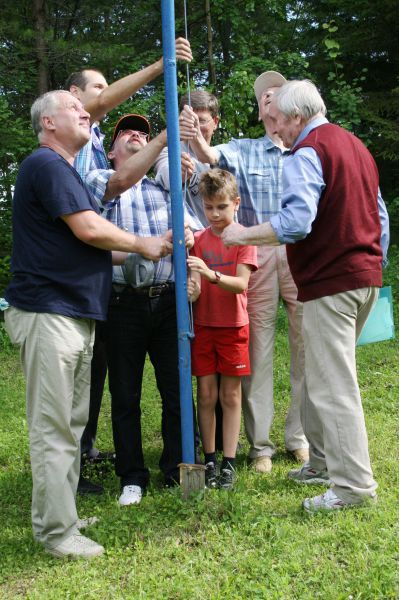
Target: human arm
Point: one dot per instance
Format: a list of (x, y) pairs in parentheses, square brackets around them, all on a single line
[(190, 131), (188, 236), (122, 89), (95, 231), (119, 258), (258, 235), (232, 283), (193, 286), (384, 220)]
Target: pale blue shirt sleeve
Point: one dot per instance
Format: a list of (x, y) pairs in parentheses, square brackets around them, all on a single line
[(97, 181), (384, 220), (303, 185)]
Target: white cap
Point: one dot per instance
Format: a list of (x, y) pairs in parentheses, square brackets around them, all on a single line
[(267, 80)]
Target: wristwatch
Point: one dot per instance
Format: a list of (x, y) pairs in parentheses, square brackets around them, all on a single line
[(218, 276)]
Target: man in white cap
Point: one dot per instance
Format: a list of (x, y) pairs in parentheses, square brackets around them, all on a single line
[(257, 165)]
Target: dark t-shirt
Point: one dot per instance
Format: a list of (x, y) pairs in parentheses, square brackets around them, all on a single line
[(53, 271)]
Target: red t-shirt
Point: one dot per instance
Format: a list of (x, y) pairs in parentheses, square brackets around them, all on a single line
[(215, 306)]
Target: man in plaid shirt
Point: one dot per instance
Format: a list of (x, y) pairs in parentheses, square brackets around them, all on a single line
[(257, 165), (142, 314)]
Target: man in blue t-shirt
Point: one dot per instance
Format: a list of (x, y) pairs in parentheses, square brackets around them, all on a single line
[(61, 265)]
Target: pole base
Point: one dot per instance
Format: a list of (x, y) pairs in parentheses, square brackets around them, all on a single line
[(192, 478)]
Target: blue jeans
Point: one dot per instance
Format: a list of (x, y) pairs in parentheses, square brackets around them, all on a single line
[(138, 325)]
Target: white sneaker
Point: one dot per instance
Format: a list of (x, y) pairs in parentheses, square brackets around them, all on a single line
[(131, 494), (76, 546), (83, 523), (329, 501)]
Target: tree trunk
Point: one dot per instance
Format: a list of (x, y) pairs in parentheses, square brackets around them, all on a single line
[(211, 63), (39, 22)]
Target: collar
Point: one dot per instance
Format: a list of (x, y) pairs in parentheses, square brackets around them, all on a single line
[(308, 128)]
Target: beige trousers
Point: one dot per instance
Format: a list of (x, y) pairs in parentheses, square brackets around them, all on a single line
[(56, 356), (271, 281), (332, 411)]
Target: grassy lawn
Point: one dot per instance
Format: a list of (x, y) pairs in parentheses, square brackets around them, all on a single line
[(253, 543)]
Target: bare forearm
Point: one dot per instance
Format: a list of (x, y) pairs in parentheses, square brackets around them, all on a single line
[(258, 235), (121, 90), (92, 229), (204, 152)]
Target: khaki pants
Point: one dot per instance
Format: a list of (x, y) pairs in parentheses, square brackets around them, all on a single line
[(332, 412), (56, 356), (272, 280)]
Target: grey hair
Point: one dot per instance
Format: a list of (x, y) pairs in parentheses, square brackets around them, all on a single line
[(44, 106), (300, 98)]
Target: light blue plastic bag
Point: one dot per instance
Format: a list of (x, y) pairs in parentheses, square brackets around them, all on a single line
[(379, 325)]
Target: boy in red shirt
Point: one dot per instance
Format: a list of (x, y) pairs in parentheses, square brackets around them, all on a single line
[(218, 282)]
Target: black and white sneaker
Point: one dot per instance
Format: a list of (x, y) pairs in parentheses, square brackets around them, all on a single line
[(227, 479), (210, 476)]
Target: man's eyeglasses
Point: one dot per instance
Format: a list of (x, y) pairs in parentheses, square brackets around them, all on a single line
[(141, 134), (204, 122)]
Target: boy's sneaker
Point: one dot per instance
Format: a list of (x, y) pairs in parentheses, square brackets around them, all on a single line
[(76, 546), (131, 494), (330, 501), (306, 474), (210, 476), (227, 479)]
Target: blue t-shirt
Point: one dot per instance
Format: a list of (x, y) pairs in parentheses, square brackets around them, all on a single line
[(53, 271)]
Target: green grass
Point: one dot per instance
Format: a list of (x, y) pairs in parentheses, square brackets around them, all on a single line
[(253, 543)]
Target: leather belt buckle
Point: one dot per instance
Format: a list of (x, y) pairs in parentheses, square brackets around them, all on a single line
[(155, 291)]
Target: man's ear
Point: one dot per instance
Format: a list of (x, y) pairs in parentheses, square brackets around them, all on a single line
[(48, 123), (76, 91), (111, 154)]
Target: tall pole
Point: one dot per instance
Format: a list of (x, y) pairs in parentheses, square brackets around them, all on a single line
[(179, 250)]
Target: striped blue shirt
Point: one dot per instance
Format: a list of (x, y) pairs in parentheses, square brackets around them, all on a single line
[(144, 209), (257, 165), (92, 155)]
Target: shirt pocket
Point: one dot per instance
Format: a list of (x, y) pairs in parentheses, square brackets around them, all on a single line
[(259, 179)]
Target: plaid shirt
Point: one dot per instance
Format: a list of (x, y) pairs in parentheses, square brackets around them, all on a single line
[(144, 209), (92, 155), (257, 165)]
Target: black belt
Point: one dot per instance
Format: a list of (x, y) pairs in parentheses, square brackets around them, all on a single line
[(152, 291)]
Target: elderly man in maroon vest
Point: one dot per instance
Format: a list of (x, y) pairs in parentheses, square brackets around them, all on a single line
[(336, 226)]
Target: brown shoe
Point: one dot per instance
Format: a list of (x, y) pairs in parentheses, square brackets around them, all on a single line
[(262, 464), (301, 455)]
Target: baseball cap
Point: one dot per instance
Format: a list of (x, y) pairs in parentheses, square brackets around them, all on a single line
[(267, 80), (132, 121)]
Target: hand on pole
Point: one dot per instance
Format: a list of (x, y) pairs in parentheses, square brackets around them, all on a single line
[(187, 166), (189, 124), (183, 50), (155, 248)]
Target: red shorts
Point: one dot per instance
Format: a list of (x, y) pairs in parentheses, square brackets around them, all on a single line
[(221, 350)]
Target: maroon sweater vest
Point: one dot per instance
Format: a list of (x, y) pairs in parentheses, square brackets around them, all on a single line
[(343, 250)]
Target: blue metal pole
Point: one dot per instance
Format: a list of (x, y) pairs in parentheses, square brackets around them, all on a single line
[(179, 250)]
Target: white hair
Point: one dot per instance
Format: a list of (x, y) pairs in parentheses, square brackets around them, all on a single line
[(44, 106), (300, 98)]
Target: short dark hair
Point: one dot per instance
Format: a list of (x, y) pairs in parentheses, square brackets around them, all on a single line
[(218, 181), (201, 100), (79, 78)]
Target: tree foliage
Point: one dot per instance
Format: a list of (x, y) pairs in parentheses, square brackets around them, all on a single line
[(348, 48)]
